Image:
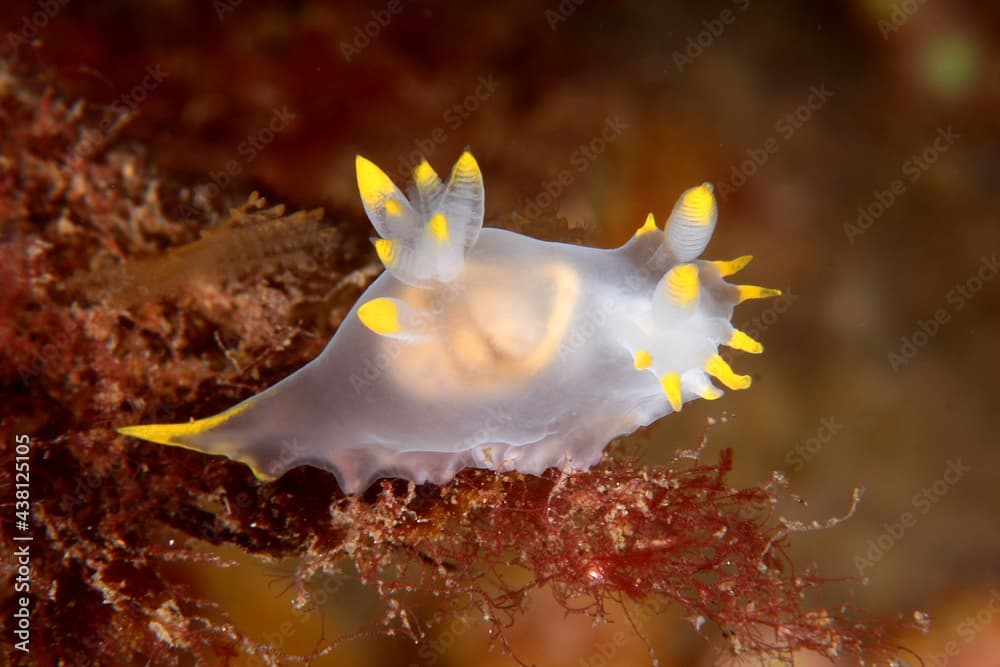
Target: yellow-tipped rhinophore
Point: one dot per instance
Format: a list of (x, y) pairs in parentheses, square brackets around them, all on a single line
[(743, 342), (648, 226), (425, 177), (728, 268), (466, 168), (380, 315), (682, 284), (671, 383), (438, 227), (747, 292), (698, 204), (386, 249), (643, 360), (719, 369), (373, 183)]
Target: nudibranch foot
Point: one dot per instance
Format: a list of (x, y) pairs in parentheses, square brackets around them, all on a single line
[(486, 348)]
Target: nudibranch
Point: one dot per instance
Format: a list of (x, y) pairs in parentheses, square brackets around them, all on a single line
[(490, 349)]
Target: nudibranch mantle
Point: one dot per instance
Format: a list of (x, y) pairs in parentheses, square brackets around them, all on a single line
[(486, 348)]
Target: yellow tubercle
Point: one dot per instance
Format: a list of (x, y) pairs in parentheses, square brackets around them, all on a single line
[(747, 292), (373, 183), (682, 284), (728, 268), (386, 251), (648, 226), (709, 392), (643, 360), (699, 203), (671, 383), (438, 227), (380, 315), (719, 369), (743, 342), (393, 208)]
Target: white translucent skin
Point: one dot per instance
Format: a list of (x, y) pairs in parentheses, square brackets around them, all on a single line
[(523, 362)]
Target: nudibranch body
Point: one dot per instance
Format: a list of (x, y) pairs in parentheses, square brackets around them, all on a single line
[(486, 348)]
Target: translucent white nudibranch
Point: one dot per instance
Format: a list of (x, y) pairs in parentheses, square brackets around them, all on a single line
[(486, 348)]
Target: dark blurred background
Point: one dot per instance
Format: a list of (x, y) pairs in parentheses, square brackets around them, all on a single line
[(854, 146)]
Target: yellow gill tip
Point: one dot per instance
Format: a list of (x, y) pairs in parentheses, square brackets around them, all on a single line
[(728, 268), (643, 360), (682, 284), (747, 292), (671, 383), (719, 369), (380, 315), (648, 226), (743, 342), (438, 227)]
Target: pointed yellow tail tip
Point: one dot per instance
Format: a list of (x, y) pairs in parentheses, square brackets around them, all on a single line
[(743, 342), (380, 316), (386, 251), (732, 266), (671, 383), (747, 292), (166, 434), (643, 360), (682, 284), (699, 203), (438, 227), (648, 226), (719, 369), (373, 183)]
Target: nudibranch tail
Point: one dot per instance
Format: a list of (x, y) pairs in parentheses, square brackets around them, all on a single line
[(424, 237)]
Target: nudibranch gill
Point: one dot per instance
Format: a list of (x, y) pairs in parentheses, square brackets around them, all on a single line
[(490, 349)]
